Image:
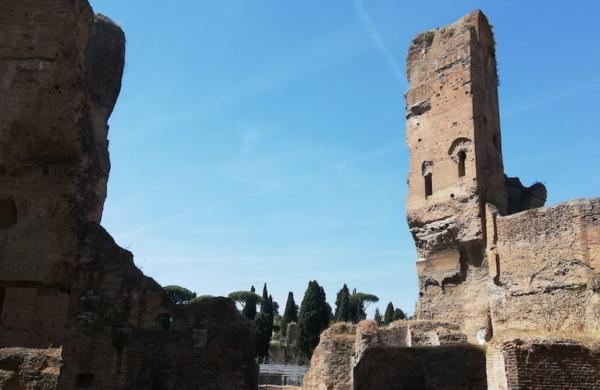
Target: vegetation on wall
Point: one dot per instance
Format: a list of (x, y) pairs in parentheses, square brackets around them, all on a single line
[(425, 38)]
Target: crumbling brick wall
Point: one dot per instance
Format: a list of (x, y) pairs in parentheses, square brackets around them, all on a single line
[(453, 134), (551, 364), (545, 269)]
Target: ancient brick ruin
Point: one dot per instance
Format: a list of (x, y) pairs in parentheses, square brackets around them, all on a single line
[(75, 312), (509, 291), (504, 283)]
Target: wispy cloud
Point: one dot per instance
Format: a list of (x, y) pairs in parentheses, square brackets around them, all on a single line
[(373, 34), (366, 156)]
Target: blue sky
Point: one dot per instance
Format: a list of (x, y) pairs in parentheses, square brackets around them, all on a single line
[(263, 141)]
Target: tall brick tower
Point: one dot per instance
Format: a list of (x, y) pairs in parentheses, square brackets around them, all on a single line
[(453, 133)]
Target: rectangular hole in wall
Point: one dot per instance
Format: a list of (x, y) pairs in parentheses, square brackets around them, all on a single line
[(497, 276), (428, 185)]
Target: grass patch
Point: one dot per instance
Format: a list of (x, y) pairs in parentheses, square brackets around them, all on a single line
[(425, 38)]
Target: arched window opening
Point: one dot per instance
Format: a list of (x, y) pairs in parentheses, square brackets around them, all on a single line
[(462, 156), (428, 185)]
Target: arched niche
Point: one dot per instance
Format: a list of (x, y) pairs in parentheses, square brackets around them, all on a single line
[(458, 152)]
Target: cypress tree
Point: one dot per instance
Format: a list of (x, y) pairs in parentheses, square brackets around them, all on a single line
[(399, 314), (389, 314), (263, 326), (377, 317), (357, 305), (249, 310), (265, 294), (290, 314), (313, 318), (356, 308), (262, 337), (342, 305), (271, 314)]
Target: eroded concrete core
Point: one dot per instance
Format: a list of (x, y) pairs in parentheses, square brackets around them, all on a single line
[(496, 269), (75, 312)]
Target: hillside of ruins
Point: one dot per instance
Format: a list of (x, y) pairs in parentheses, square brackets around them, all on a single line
[(509, 289)]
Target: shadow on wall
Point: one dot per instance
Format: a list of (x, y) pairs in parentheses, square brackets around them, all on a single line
[(422, 368)]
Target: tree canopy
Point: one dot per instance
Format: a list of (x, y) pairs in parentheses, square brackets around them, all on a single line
[(342, 305), (365, 297), (399, 314), (351, 307), (263, 326), (178, 294), (377, 317), (313, 318), (392, 314), (242, 297), (389, 314), (262, 336), (248, 300), (202, 297), (290, 314)]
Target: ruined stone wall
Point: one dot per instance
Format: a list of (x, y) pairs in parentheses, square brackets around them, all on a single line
[(332, 361), (343, 346), (50, 168), (29, 369), (545, 267), (63, 280)]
